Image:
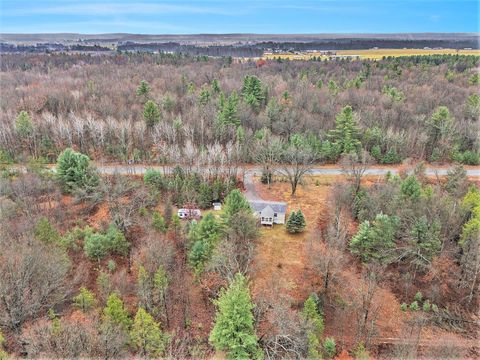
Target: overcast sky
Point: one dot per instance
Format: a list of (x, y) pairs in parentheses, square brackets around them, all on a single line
[(233, 16)]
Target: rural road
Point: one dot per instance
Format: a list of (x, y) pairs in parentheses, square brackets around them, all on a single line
[(251, 172), (257, 170)]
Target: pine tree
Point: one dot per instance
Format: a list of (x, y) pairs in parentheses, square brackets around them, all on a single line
[(74, 171), (23, 125), (374, 241), (159, 223), (234, 202), (151, 113), (296, 222), (146, 335), (411, 188), (143, 89), (85, 300), (3, 354), (115, 312), (252, 91), (315, 325), (233, 331), (228, 111), (46, 232), (345, 136)]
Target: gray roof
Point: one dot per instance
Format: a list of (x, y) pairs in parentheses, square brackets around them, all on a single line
[(259, 205)]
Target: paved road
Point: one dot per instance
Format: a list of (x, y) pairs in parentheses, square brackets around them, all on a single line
[(250, 172), (256, 170)]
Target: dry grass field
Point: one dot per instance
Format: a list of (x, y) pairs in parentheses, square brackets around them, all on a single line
[(373, 54)]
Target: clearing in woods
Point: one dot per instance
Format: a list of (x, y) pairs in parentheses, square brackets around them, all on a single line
[(374, 54)]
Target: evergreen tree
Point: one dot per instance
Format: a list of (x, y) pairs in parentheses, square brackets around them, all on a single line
[(439, 129), (145, 289), (203, 237), (46, 232), (3, 354), (228, 111), (85, 300), (345, 136), (315, 325), (23, 125), (234, 202), (205, 95), (411, 188), (74, 171), (146, 335), (159, 223), (233, 331), (296, 222), (425, 238), (252, 91), (95, 246), (330, 347), (115, 312), (143, 89), (374, 241), (151, 113), (215, 86)]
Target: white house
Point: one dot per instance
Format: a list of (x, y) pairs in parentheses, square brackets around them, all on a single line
[(269, 212)]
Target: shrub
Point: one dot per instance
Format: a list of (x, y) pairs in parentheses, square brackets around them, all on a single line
[(23, 124), (159, 223), (404, 307), (85, 300), (97, 245), (411, 188), (111, 265), (75, 171), (46, 232), (153, 178), (414, 306), (418, 296), (266, 177), (330, 347)]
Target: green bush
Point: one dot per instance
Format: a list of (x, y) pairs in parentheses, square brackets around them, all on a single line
[(266, 177), (98, 245), (404, 307), (418, 296), (153, 178), (414, 306), (330, 347), (85, 300), (46, 232), (159, 223)]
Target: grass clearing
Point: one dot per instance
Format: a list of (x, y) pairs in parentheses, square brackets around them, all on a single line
[(373, 54)]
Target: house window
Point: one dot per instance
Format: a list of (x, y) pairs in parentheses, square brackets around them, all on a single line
[(263, 219), (274, 214)]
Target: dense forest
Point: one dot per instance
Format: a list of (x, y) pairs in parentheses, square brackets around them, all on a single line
[(100, 265), (174, 108)]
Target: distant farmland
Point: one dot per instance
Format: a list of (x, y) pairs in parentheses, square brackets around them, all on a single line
[(368, 54)]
